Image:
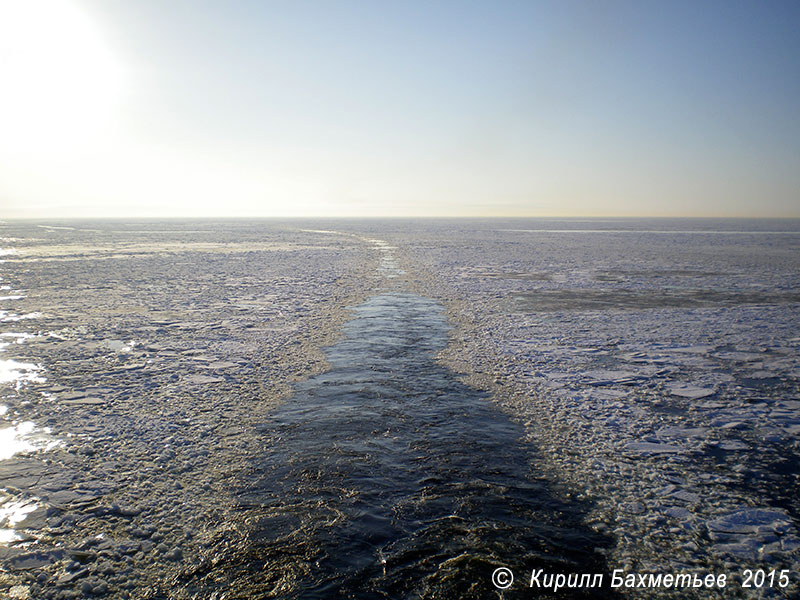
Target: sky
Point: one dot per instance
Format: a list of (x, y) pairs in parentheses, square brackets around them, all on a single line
[(236, 108)]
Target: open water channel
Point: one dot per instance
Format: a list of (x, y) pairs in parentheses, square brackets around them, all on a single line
[(386, 477)]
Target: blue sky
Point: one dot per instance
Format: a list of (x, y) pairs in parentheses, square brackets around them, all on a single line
[(245, 108)]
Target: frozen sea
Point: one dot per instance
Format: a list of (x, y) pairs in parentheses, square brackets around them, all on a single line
[(397, 408)]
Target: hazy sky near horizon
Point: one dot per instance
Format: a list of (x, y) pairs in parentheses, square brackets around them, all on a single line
[(115, 108)]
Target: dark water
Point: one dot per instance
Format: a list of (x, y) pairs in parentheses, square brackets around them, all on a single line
[(387, 478)]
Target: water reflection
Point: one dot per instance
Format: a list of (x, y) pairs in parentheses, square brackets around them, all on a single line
[(12, 512), (18, 436), (19, 372), (24, 437)]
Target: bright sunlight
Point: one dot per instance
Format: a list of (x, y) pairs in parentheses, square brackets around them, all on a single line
[(61, 85)]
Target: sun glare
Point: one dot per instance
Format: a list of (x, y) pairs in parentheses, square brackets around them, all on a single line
[(60, 85)]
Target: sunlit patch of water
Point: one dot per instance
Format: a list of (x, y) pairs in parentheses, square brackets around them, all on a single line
[(388, 264), (18, 437), (15, 338), (19, 372), (15, 439), (12, 512), (19, 337), (24, 437), (56, 227), (9, 317), (119, 345)]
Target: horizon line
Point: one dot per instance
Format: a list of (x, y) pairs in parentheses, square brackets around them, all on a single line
[(393, 217)]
